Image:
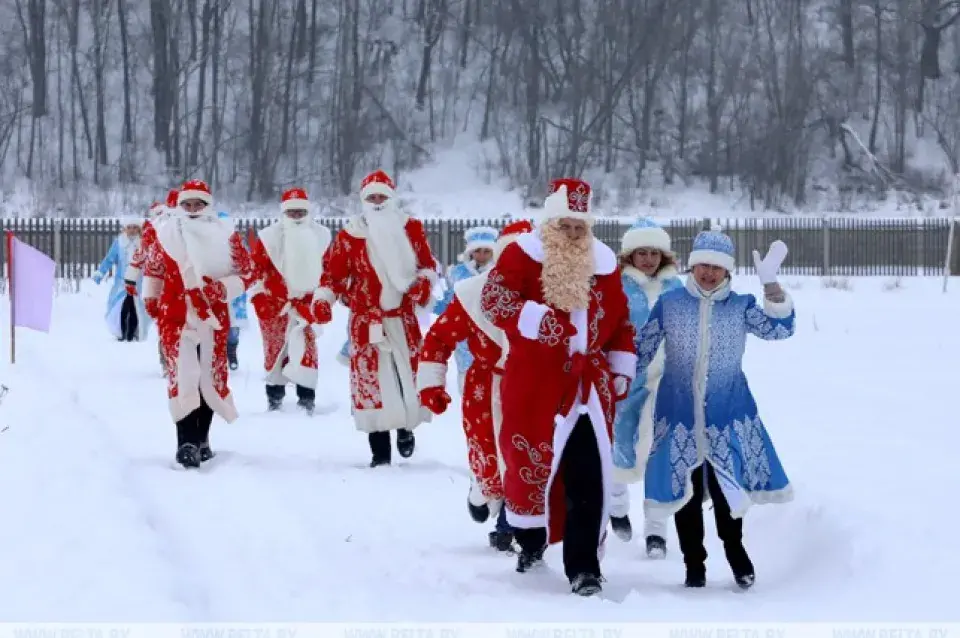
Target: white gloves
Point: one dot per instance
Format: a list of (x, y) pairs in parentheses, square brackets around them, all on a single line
[(620, 385), (768, 267)]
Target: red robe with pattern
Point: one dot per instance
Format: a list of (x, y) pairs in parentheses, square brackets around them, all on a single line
[(481, 405), (181, 331), (548, 384), (384, 344), (284, 331)]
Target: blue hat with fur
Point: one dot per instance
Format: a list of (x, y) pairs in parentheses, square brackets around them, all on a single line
[(645, 233), (713, 248)]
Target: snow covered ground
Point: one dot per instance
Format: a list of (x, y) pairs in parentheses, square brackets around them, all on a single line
[(292, 526)]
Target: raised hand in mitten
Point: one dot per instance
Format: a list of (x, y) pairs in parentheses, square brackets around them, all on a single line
[(420, 291), (435, 399), (214, 290), (768, 267), (322, 312), (555, 329), (131, 288), (621, 386)]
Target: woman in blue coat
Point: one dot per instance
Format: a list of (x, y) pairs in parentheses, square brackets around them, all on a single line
[(238, 319), (126, 315), (708, 438), (649, 269)]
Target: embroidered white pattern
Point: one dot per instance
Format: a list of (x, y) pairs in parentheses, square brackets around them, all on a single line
[(683, 457), (756, 464), (551, 332), (497, 301)]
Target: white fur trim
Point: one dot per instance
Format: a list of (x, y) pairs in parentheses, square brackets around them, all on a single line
[(131, 273), (431, 375), (130, 220), (556, 206), (526, 521), (779, 310), (528, 324), (654, 237), (430, 274), (152, 287), (623, 363), (295, 204), (476, 497), (712, 258), (234, 286), (604, 259), (376, 188), (503, 241), (188, 195), (324, 294)]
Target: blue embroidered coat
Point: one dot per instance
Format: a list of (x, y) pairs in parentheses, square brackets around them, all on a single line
[(630, 436), (118, 258), (238, 306), (463, 270), (704, 408)]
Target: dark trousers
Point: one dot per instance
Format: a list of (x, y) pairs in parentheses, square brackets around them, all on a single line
[(195, 427), (502, 525), (277, 392), (690, 532), (582, 476), (380, 443), (128, 319)]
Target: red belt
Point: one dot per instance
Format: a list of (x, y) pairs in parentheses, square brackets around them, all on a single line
[(583, 371)]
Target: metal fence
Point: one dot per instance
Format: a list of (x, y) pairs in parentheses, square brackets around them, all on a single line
[(818, 246)]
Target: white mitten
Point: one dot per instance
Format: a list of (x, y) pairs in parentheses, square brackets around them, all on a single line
[(620, 385), (768, 267), (495, 506)]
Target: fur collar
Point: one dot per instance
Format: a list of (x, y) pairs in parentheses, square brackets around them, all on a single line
[(720, 294), (604, 259), (667, 272)]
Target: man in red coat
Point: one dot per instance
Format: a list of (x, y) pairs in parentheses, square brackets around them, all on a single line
[(196, 267), (148, 238), (462, 320), (380, 267), (557, 295), (287, 257)]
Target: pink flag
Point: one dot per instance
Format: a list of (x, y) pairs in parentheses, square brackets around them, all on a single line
[(33, 279)]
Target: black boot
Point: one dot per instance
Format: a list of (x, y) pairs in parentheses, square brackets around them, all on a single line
[(379, 448), (501, 541), (533, 544), (206, 453), (405, 443), (656, 547), (188, 455), (232, 355), (306, 399), (696, 576), (275, 394), (585, 585), (479, 513), (622, 527)]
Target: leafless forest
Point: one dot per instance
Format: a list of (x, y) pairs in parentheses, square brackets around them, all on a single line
[(786, 100)]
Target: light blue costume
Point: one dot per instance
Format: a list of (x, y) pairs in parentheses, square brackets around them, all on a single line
[(118, 258), (704, 408), (476, 238)]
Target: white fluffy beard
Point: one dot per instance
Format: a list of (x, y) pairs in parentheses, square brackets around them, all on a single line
[(568, 267), (301, 256), (389, 247), (208, 246)]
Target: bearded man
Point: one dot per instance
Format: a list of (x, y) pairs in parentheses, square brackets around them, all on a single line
[(198, 264), (380, 267), (462, 322), (287, 258), (557, 295)]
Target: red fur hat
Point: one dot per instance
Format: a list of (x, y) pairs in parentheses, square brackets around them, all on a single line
[(377, 183), (294, 199), (195, 189), (568, 198)]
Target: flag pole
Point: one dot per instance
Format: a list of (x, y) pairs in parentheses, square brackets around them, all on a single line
[(10, 294)]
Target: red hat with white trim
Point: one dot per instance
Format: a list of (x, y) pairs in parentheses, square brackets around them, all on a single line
[(195, 189), (377, 183), (568, 198), (294, 199), (511, 233), (172, 198)]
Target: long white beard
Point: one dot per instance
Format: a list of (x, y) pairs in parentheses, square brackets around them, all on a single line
[(207, 246), (390, 252), (301, 257)]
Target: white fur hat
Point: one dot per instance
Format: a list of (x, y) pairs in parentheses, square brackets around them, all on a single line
[(130, 220), (645, 233), (479, 237)]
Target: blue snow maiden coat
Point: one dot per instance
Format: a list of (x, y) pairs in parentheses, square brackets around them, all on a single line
[(118, 258), (704, 408), (631, 437), (238, 307)]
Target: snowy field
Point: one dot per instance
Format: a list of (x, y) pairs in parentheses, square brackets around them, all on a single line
[(291, 525)]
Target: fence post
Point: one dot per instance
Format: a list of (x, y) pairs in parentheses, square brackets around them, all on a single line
[(58, 246), (826, 246), (445, 245)]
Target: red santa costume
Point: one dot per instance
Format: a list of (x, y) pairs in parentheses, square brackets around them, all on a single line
[(380, 267), (463, 320), (287, 259), (557, 295), (197, 266), (148, 238)]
